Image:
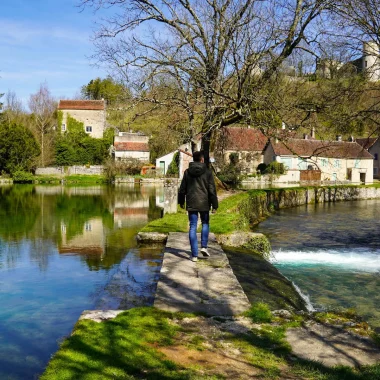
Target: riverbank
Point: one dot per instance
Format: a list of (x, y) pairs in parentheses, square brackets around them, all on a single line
[(146, 343), (142, 343)]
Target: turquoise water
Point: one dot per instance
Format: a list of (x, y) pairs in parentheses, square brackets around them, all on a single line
[(332, 253), (64, 250)]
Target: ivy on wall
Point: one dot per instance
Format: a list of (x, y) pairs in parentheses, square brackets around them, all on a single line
[(76, 147)]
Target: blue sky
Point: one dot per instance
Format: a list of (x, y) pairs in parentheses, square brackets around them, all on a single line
[(45, 41)]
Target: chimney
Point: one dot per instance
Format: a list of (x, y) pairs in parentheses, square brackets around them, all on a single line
[(339, 138), (313, 133), (305, 136), (283, 126)]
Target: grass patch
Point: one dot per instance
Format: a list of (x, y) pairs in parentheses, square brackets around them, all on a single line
[(225, 221), (128, 347), (85, 179), (122, 348), (169, 223), (259, 313)]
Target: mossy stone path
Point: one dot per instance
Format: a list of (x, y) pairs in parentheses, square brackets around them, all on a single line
[(208, 286)]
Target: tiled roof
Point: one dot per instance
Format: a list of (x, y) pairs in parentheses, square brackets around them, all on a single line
[(319, 148), (367, 142), (131, 146), (244, 139), (81, 105)]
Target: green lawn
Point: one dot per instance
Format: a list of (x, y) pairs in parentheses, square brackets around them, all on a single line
[(224, 221)]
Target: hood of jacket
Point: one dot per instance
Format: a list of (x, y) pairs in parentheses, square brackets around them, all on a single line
[(196, 169)]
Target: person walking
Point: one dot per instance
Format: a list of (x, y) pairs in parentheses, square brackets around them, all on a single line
[(198, 190)]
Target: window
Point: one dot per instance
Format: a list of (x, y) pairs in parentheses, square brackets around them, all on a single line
[(88, 226), (88, 129), (63, 127), (336, 163), (323, 162), (302, 164), (375, 171), (366, 63), (375, 157)]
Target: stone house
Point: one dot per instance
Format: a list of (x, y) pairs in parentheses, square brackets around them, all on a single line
[(92, 113), (131, 145), (326, 160), (247, 143), (372, 145)]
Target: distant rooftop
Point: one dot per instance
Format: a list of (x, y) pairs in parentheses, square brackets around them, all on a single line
[(319, 148), (81, 105), (367, 143), (131, 146), (245, 139)]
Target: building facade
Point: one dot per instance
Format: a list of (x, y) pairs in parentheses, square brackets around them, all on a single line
[(131, 145), (92, 113), (372, 145), (336, 160), (247, 143)]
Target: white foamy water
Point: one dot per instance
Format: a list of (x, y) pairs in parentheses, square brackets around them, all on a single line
[(363, 260)]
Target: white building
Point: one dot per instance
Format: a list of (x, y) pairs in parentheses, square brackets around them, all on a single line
[(131, 145), (371, 61), (334, 160), (92, 113)]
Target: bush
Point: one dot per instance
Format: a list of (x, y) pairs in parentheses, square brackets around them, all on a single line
[(173, 169), (20, 176), (262, 168), (276, 168), (230, 174), (130, 166)]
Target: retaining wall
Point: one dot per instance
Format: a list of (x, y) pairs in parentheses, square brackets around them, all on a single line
[(258, 206), (284, 198), (62, 171)]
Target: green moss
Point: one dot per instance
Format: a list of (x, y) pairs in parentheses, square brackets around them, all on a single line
[(260, 245)]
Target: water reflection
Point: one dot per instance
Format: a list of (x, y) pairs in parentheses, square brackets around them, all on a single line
[(64, 250)]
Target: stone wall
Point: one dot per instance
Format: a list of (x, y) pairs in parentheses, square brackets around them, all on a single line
[(261, 202), (285, 198), (62, 171)]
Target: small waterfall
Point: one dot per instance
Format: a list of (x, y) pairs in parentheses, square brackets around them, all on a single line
[(353, 259), (305, 297)]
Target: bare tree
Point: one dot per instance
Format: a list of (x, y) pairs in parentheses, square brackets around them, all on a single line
[(217, 55), (43, 107), (13, 108)]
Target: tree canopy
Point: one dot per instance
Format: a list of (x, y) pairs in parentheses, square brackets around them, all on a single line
[(18, 148)]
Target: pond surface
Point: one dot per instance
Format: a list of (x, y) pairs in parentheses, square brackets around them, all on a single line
[(331, 252), (64, 250)]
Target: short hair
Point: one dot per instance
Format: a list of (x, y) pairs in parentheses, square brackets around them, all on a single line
[(197, 156)]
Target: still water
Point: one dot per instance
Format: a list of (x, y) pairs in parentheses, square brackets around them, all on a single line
[(64, 250), (332, 253)]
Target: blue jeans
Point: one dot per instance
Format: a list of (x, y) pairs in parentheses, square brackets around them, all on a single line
[(193, 219)]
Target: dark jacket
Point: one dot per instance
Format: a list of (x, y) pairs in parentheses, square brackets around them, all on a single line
[(198, 188)]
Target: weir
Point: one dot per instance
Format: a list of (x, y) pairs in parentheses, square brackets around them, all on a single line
[(208, 286)]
